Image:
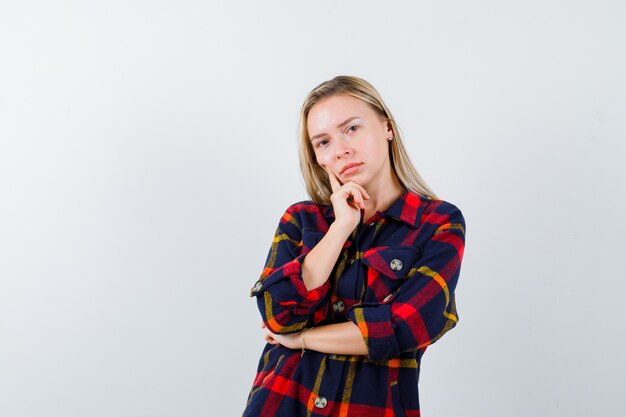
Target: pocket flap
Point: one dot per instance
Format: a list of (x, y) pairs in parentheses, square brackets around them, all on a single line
[(392, 261)]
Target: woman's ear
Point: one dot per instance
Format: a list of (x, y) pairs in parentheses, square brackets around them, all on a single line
[(389, 133)]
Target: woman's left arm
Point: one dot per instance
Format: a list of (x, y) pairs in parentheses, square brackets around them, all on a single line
[(338, 338)]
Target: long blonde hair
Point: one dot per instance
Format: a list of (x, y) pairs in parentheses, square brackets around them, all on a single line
[(315, 178)]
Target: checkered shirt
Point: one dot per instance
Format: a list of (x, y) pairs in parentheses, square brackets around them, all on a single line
[(395, 279)]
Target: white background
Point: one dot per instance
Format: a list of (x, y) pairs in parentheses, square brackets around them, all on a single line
[(148, 149)]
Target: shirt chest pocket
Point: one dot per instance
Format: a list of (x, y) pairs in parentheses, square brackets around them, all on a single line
[(387, 268)]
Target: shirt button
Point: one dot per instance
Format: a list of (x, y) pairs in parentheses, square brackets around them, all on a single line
[(332, 356), (372, 224), (352, 261), (257, 287), (387, 298), (396, 264), (338, 306), (320, 402)]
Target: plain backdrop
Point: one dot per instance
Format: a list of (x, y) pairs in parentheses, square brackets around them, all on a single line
[(148, 150)]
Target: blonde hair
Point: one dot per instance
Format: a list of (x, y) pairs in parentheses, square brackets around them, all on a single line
[(315, 178)]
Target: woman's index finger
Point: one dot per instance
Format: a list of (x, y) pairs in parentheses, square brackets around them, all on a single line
[(334, 181)]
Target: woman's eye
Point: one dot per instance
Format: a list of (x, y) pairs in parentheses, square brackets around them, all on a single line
[(353, 128), (321, 143)]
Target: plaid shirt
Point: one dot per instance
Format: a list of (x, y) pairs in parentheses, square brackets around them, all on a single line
[(395, 279)]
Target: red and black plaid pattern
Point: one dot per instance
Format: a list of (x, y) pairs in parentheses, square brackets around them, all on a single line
[(395, 279)]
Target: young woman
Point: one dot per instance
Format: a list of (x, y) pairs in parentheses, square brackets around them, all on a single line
[(360, 279)]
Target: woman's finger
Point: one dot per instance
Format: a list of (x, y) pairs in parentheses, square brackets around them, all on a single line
[(355, 193), (361, 189), (361, 201), (334, 181), (352, 197), (358, 196)]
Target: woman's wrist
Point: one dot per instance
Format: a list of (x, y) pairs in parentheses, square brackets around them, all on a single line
[(303, 340), (342, 230)]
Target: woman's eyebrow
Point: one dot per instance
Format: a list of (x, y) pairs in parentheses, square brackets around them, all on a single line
[(339, 126)]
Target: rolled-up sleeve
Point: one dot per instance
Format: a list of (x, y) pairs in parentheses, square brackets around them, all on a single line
[(284, 301), (423, 308)]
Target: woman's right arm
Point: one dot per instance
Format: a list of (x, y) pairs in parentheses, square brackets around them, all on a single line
[(292, 291), (319, 263)]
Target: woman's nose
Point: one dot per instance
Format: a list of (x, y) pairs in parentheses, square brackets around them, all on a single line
[(342, 148)]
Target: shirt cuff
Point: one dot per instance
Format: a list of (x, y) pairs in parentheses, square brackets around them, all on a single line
[(286, 287)]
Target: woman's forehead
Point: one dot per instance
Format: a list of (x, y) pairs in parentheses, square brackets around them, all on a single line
[(331, 112)]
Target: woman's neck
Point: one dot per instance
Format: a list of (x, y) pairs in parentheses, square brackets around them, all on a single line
[(382, 195)]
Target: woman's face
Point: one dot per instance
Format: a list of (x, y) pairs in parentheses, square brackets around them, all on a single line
[(350, 138)]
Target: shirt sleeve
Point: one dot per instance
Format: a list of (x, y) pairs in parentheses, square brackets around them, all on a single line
[(423, 308), (284, 301)]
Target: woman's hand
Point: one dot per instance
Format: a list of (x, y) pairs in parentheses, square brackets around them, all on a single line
[(348, 200), (291, 340)]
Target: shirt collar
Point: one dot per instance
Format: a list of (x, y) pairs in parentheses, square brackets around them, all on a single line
[(407, 208)]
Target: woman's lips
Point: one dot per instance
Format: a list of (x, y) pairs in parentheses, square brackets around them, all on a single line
[(350, 169)]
